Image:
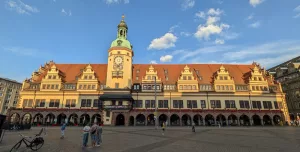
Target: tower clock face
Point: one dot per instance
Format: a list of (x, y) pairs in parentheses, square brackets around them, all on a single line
[(118, 60)]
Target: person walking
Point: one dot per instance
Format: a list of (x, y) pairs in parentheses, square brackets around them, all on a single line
[(85, 137), (163, 126), (99, 135), (62, 129), (93, 132)]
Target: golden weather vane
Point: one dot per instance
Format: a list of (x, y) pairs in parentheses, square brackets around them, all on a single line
[(123, 16)]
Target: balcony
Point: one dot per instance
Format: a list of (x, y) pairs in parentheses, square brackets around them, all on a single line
[(120, 107)]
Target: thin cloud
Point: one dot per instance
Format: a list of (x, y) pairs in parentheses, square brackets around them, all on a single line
[(187, 4), (277, 48), (250, 17), (297, 9), (153, 62), (21, 51), (256, 24), (254, 3), (20, 7), (116, 1), (64, 12)]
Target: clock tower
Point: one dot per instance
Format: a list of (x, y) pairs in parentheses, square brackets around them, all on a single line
[(119, 66)]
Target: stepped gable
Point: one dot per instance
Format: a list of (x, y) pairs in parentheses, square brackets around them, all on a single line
[(72, 70), (239, 73)]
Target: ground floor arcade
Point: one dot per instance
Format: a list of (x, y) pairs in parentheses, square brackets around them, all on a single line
[(147, 118)]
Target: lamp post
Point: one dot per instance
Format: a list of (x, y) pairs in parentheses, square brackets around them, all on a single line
[(156, 118)]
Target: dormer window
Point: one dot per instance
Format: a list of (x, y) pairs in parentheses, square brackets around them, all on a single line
[(259, 79), (149, 77), (184, 77), (189, 78), (225, 78), (167, 78), (255, 79), (166, 71), (221, 77), (137, 71), (49, 77), (54, 77), (90, 77)]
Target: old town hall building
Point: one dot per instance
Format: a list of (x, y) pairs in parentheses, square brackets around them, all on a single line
[(122, 93)]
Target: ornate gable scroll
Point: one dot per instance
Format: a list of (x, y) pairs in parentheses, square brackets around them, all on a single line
[(223, 82)]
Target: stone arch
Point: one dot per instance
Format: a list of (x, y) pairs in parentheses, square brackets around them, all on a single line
[(277, 119), (244, 120), (221, 119), (232, 120), (267, 120), (186, 120), (131, 121), (140, 120), (61, 118), (26, 118), (256, 120), (38, 119), (175, 120), (150, 120), (162, 118), (50, 119), (209, 120), (198, 120), (120, 120), (73, 119), (15, 118), (84, 119), (96, 118)]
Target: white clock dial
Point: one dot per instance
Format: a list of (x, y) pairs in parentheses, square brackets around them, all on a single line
[(118, 60)]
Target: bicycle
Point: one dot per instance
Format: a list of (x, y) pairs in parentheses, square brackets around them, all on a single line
[(34, 143)]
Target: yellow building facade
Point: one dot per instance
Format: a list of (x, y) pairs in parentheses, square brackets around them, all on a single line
[(123, 93)]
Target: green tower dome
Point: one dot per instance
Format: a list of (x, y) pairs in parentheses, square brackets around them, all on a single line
[(121, 40)]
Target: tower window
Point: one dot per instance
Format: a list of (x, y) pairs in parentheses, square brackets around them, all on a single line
[(137, 71), (119, 52), (128, 54)]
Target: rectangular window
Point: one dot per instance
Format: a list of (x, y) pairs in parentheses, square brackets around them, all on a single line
[(149, 77), (227, 104), (276, 105), (93, 87), (30, 101), (166, 104), (194, 102), (244, 104), (153, 105), (42, 104), (160, 103), (37, 102), (117, 85), (137, 78), (212, 103), (139, 103), (52, 86), (113, 103), (56, 103), (175, 104), (80, 86), (51, 103), (83, 102), (89, 87), (256, 104), (90, 77), (44, 86), (203, 104), (180, 103), (189, 104), (147, 103), (120, 103), (68, 103), (73, 103), (84, 87), (95, 103), (269, 104), (218, 104)]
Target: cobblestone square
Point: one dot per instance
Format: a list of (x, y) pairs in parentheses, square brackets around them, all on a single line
[(177, 139)]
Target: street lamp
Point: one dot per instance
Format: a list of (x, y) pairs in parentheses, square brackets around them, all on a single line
[(156, 118)]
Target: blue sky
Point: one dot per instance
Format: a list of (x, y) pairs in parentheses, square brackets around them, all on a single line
[(33, 32)]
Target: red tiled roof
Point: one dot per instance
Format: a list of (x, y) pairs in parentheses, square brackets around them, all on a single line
[(240, 73)]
